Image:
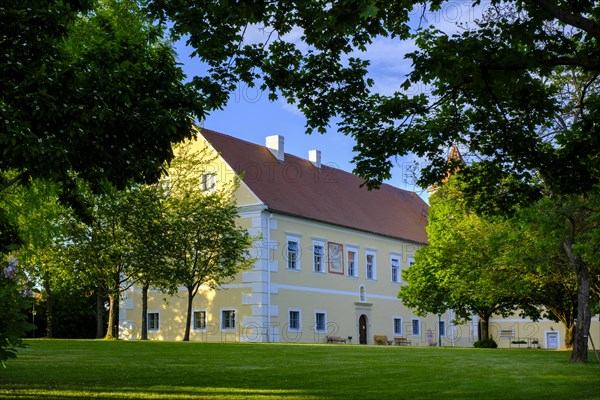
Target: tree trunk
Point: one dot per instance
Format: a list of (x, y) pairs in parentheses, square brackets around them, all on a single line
[(188, 319), (49, 309), (484, 325), (113, 316), (145, 312), (99, 314), (584, 316), (569, 336)]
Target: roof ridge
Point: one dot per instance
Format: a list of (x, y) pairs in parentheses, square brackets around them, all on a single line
[(230, 136), (306, 160)]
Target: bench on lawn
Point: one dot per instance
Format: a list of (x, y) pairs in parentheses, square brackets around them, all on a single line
[(381, 339), (402, 341), (335, 339)]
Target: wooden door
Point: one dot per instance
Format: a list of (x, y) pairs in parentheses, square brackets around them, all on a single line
[(362, 329)]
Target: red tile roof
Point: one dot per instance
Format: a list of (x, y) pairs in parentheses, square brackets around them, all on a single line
[(296, 187)]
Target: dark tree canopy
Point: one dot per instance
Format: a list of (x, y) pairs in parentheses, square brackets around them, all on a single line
[(89, 88)]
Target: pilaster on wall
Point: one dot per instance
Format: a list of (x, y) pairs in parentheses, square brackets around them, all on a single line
[(260, 321)]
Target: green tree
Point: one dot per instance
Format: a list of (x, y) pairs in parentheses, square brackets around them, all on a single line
[(13, 324), (520, 262), (149, 224), (35, 208), (73, 311), (90, 89), (561, 243), (111, 250), (207, 247), (539, 260), (37, 212), (459, 268)]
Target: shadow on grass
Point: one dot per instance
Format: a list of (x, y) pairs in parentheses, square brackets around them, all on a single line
[(158, 393)]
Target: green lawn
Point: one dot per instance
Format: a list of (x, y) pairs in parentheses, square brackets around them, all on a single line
[(55, 369)]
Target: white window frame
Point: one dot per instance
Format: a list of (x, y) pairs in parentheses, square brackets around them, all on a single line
[(321, 267), (152, 312), (373, 271), (235, 316), (299, 328), (396, 265), (298, 252), (208, 181), (324, 330), (199, 310), (412, 326), (354, 272), (396, 332), (362, 294)]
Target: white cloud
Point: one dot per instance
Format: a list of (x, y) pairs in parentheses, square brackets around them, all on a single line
[(290, 108)]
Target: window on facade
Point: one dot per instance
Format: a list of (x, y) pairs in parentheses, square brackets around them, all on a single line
[(396, 270), (398, 326), (199, 320), (292, 254), (228, 319), (320, 322), (362, 294), (208, 182), (442, 328), (318, 253), (370, 265), (416, 327), (294, 320), (153, 321), (351, 263), (507, 333)]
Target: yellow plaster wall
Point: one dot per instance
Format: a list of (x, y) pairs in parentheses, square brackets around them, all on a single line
[(338, 295), (226, 175), (173, 311)]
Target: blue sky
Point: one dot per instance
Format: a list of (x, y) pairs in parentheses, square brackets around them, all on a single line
[(249, 114)]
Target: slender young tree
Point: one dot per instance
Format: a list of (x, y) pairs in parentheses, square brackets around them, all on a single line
[(149, 226), (208, 248)]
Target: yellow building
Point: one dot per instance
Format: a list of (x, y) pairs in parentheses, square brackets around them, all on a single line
[(328, 261), (329, 258)]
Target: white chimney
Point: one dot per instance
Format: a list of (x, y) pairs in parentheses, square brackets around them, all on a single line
[(314, 156), (275, 145)]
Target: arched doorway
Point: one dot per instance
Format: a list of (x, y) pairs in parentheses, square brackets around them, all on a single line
[(362, 329)]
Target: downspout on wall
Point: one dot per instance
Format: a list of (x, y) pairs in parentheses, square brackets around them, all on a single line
[(269, 277)]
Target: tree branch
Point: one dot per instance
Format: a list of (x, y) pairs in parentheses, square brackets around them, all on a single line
[(23, 176), (583, 62), (568, 18)]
